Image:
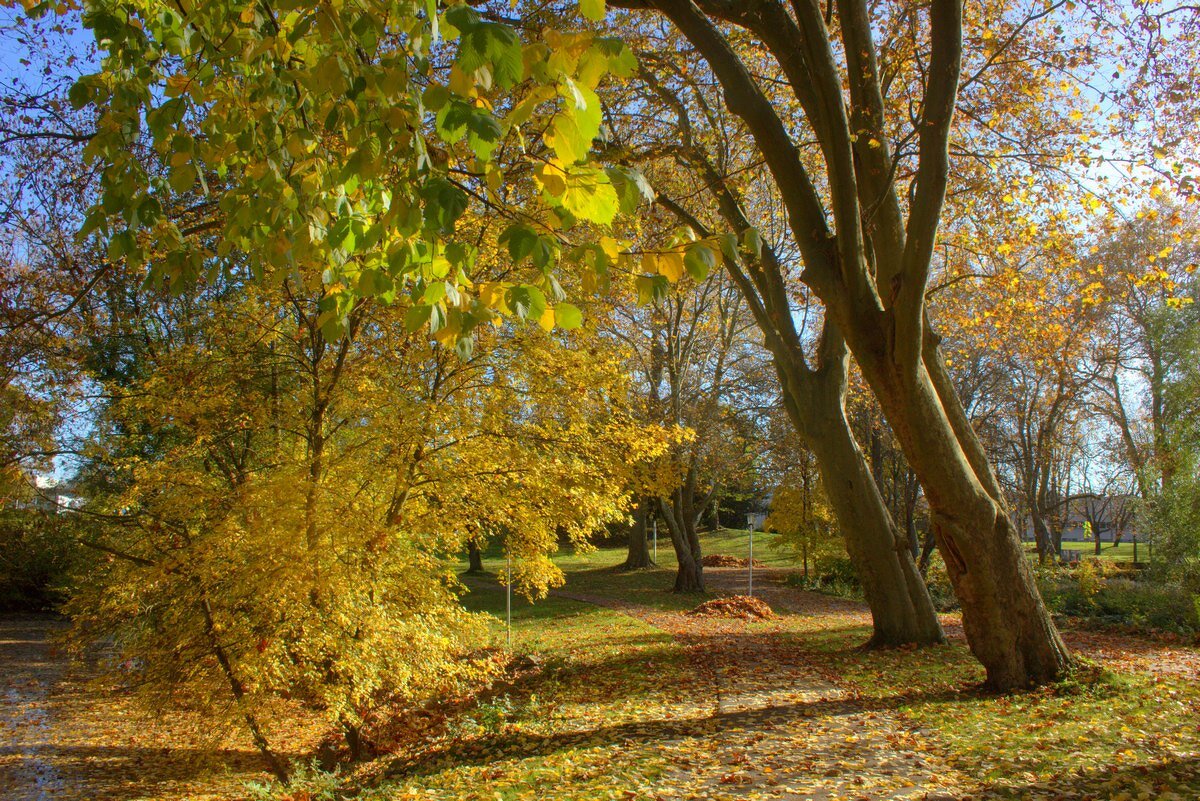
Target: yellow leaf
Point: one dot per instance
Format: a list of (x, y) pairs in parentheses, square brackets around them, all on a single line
[(611, 248), (461, 83), (670, 264), (552, 179), (546, 321)]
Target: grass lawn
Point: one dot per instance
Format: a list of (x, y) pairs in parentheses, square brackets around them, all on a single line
[(1130, 734), (1122, 552), (564, 734), (619, 709), (595, 571)]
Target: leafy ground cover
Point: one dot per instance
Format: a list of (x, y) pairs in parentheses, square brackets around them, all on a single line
[(617, 693)]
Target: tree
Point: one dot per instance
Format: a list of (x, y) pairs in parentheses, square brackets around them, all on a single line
[(867, 245), (809, 359), (869, 262), (694, 358), (278, 512)]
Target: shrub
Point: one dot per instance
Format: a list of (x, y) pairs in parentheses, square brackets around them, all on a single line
[(1095, 592), (36, 548)]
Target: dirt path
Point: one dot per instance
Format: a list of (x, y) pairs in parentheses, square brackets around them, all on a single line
[(30, 670), (780, 729), (66, 737)]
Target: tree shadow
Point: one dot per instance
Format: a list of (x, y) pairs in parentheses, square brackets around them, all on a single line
[(524, 745), (62, 772), (1180, 775)]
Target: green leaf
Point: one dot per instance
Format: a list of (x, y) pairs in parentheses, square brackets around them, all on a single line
[(752, 242), (567, 316), (520, 240), (435, 97), (632, 188), (341, 234), (459, 117), (592, 9), (575, 125), (699, 260), (652, 288), (487, 44), (729, 246), (80, 93), (444, 204), (416, 317), (620, 59), (526, 301)]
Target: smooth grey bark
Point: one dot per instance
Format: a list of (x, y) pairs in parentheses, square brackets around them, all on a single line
[(902, 611), (681, 522)]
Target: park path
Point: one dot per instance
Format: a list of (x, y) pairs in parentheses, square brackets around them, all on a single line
[(781, 729), (64, 736), (30, 669)]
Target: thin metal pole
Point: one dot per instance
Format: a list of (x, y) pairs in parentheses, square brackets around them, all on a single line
[(750, 562), (508, 600)]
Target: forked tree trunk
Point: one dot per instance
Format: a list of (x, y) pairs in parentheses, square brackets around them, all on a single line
[(638, 556), (681, 522), (1004, 618), (901, 610), (870, 263)]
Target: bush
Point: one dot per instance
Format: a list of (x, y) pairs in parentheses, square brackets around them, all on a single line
[(1108, 595), (941, 591), (36, 548), (833, 575)]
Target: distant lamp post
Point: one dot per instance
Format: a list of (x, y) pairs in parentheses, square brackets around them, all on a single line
[(753, 520)]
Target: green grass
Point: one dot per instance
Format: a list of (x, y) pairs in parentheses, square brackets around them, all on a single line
[(731, 542), (595, 722), (571, 731), (597, 571), (1122, 552)]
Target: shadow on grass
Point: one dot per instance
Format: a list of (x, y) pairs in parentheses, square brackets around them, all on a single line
[(48, 770), (525, 745), (1180, 776)]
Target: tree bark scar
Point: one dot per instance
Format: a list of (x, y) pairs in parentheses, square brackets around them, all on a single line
[(954, 558)]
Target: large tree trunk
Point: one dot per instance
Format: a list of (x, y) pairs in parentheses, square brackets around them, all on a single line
[(639, 548), (901, 610), (1004, 618), (474, 558), (870, 266), (681, 522)]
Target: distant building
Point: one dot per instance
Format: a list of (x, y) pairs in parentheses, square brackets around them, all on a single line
[(1106, 517), (55, 496)]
